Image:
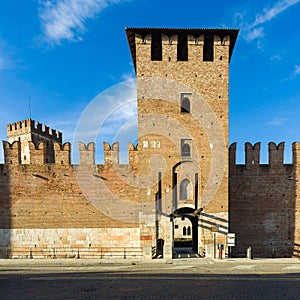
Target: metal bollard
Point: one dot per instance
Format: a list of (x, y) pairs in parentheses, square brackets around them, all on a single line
[(249, 253)]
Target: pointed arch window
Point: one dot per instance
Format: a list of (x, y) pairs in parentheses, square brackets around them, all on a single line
[(189, 231), (184, 230), (184, 185)]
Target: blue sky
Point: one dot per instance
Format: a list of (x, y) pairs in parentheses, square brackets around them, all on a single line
[(62, 54)]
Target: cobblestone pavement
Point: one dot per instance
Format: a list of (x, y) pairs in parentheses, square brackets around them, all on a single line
[(156, 279)]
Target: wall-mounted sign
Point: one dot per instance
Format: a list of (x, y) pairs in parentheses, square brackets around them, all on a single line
[(230, 239)]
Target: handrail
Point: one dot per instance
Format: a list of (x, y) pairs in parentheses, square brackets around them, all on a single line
[(71, 252)]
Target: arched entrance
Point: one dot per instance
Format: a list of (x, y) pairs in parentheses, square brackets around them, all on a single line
[(185, 223)]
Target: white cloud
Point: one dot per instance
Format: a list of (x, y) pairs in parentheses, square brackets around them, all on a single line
[(275, 57), (110, 116), (2, 63), (65, 122), (296, 71), (65, 19), (255, 30), (255, 34), (128, 76), (5, 57), (276, 121), (273, 12), (112, 109)]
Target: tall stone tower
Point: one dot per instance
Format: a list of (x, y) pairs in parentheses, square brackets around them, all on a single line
[(182, 82), (30, 133)]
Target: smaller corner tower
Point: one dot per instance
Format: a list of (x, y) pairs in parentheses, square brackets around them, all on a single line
[(31, 131)]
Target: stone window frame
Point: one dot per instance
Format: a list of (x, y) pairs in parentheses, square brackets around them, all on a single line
[(184, 142), (184, 97), (183, 189)]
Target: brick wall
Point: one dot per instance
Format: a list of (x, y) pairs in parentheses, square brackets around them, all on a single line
[(263, 203), (161, 86), (60, 199)]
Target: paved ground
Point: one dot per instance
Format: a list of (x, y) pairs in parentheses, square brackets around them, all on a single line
[(157, 279)]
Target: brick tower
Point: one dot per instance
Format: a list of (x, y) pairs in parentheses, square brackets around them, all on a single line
[(182, 82), (27, 131)]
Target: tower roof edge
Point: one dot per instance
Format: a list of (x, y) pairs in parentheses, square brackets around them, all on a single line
[(143, 31)]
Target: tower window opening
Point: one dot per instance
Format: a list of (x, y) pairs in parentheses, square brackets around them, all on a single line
[(184, 230), (182, 48), (185, 150), (185, 105), (208, 48), (156, 47), (189, 231), (184, 185)]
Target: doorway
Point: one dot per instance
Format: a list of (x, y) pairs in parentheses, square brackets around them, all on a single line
[(185, 231)]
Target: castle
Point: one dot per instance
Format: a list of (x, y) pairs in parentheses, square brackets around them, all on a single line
[(181, 170)]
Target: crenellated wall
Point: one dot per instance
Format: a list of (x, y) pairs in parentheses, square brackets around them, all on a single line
[(132, 156), (62, 153), (12, 152), (37, 153), (264, 199), (43, 205), (29, 125), (263, 202), (27, 131), (87, 153), (111, 153)]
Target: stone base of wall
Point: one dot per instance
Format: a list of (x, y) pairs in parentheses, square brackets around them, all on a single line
[(70, 242)]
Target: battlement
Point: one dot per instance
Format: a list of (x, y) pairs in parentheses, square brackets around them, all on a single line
[(252, 158), (182, 44), (12, 154), (111, 154), (37, 153), (32, 126)]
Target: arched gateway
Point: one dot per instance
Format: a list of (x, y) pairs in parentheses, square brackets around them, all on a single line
[(186, 236)]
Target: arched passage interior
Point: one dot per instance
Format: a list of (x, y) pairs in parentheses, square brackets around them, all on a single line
[(188, 227)]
